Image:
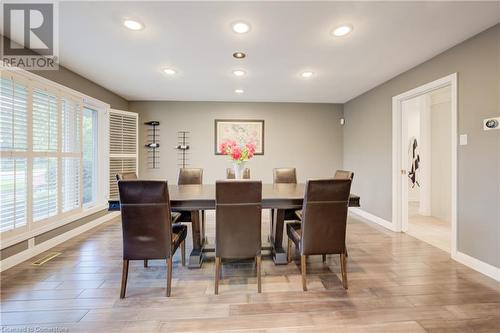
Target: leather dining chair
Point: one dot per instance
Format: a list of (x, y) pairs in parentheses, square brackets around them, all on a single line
[(238, 206), (230, 173), (339, 174), (323, 226), (133, 176), (126, 176), (191, 176), (284, 176), (148, 232)]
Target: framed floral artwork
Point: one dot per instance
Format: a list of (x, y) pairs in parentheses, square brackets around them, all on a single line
[(241, 131)]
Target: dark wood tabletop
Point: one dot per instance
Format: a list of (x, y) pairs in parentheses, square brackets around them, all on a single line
[(277, 196)]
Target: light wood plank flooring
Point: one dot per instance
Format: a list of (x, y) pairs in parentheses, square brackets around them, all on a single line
[(396, 284)]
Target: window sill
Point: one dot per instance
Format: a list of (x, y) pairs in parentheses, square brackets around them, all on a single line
[(9, 240)]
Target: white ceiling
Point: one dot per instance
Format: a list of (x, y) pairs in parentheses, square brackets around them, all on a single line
[(286, 38)]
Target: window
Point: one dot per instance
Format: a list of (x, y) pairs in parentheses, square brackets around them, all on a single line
[(89, 155), (48, 160)]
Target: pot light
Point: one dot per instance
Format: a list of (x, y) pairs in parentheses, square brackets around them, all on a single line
[(239, 72), (239, 91), (342, 30), (307, 74), (239, 55), (241, 27), (133, 25), (169, 71)]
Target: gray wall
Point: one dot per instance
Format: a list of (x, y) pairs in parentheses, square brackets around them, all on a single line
[(368, 140), (77, 82), (83, 85), (305, 136)]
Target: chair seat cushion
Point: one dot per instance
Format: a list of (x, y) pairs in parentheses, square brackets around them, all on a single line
[(298, 213), (294, 232), (179, 233)]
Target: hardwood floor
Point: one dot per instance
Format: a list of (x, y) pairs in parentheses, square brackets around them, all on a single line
[(396, 284)]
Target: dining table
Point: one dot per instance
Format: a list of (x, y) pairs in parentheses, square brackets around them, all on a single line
[(277, 197)]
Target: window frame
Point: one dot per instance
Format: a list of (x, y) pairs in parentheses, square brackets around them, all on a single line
[(31, 228), (97, 140)]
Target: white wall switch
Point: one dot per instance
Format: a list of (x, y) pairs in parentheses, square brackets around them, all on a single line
[(463, 139), (491, 124)]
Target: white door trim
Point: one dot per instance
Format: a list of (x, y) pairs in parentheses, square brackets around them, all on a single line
[(397, 211)]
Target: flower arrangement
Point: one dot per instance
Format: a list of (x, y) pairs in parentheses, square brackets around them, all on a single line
[(238, 153)]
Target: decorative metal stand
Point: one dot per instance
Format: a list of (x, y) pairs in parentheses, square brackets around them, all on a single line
[(182, 148), (153, 144)]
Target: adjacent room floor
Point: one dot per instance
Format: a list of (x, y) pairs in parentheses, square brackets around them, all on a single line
[(396, 284), (429, 229)]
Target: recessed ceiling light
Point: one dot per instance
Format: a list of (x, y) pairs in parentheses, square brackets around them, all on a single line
[(170, 71), (342, 30), (239, 55), (133, 24), (307, 74), (241, 27), (239, 72), (239, 91)]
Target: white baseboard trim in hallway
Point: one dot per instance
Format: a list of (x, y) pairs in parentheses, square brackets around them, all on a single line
[(373, 218), (477, 265), (47, 245)]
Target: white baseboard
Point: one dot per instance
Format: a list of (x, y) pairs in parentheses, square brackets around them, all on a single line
[(36, 250), (373, 218), (477, 265)]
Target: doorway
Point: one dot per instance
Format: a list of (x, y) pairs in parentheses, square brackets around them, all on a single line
[(424, 163)]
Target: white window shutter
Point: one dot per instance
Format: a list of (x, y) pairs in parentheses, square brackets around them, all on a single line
[(123, 146), (13, 168), (45, 121)]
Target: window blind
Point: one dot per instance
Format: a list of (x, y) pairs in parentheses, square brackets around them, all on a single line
[(45, 121), (123, 146), (13, 193), (41, 152), (13, 147), (13, 115)]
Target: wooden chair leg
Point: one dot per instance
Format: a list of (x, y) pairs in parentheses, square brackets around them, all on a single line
[(303, 270), (183, 253), (324, 258), (124, 278), (146, 263), (343, 268), (259, 281), (169, 276), (217, 274), (289, 251)]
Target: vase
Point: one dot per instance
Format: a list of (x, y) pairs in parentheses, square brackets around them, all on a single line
[(238, 169)]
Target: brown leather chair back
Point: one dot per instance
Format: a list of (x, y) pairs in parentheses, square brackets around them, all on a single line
[(190, 176), (146, 220), (344, 174), (325, 216), (238, 205), (230, 173), (284, 176), (126, 176)]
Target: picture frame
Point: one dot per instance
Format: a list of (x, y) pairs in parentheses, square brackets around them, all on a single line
[(245, 130)]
